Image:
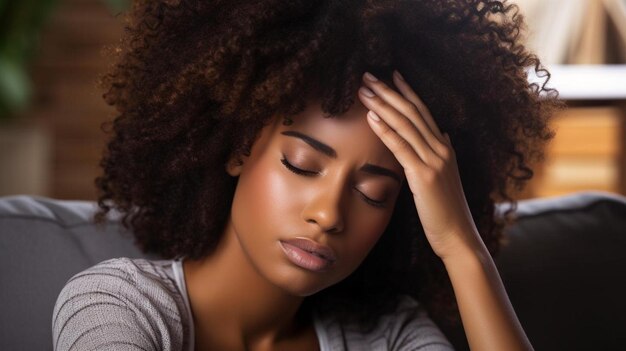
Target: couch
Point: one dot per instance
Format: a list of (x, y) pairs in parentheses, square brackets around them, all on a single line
[(564, 267)]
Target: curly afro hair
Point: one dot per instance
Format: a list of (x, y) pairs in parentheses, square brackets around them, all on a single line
[(193, 82)]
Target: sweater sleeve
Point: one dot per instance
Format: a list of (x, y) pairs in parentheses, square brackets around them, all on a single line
[(115, 306)]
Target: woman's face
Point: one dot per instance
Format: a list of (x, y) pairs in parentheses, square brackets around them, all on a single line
[(344, 200)]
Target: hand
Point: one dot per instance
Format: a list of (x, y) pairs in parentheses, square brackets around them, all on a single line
[(407, 128)]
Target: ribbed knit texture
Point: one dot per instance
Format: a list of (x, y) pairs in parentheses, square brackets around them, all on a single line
[(136, 304)]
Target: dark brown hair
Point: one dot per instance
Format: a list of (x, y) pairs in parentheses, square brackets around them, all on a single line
[(193, 82)]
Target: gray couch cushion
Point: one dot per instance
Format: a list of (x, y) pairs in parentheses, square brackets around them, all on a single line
[(43, 242)]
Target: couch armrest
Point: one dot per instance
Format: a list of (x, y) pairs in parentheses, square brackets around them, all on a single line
[(564, 269)]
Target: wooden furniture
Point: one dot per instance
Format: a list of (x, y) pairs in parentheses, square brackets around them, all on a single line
[(589, 149)]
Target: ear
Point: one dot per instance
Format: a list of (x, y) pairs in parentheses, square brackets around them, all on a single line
[(234, 165)]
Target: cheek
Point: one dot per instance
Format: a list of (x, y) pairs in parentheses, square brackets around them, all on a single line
[(263, 197)]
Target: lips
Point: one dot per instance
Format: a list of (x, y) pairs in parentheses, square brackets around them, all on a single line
[(308, 254), (313, 247)]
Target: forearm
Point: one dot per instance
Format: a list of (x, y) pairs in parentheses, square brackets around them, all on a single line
[(489, 320)]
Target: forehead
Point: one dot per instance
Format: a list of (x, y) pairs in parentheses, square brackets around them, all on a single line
[(349, 134)]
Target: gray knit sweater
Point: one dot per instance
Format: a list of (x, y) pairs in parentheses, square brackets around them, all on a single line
[(139, 304)]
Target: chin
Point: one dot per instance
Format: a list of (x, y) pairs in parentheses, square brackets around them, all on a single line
[(301, 283), (304, 291)]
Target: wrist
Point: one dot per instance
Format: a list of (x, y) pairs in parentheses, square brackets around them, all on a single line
[(466, 246)]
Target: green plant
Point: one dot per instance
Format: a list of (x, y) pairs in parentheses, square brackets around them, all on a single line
[(117, 6), (21, 22)]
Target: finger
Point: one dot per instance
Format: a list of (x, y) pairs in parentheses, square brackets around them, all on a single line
[(407, 108), (400, 124), (412, 96), (402, 151)]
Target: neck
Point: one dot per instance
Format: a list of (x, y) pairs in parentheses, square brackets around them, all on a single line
[(233, 303)]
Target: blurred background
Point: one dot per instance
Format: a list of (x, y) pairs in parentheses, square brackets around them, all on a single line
[(51, 54)]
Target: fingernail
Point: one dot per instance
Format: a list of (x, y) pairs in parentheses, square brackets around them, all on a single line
[(373, 115), (398, 75), (371, 77), (367, 92)]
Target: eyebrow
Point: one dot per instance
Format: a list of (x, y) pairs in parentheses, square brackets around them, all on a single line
[(330, 152), (374, 169), (316, 144)]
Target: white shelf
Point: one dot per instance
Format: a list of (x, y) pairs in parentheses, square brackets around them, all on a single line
[(585, 82)]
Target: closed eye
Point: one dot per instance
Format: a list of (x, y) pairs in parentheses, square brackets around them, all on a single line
[(374, 203), (296, 170)]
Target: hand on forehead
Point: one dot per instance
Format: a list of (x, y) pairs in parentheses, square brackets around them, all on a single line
[(348, 132)]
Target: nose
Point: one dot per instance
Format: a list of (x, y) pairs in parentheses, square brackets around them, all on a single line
[(325, 209)]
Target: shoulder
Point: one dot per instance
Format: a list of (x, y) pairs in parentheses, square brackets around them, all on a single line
[(125, 278), (408, 327), (120, 303)]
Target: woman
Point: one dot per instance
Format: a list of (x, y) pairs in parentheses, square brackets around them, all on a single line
[(311, 175)]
